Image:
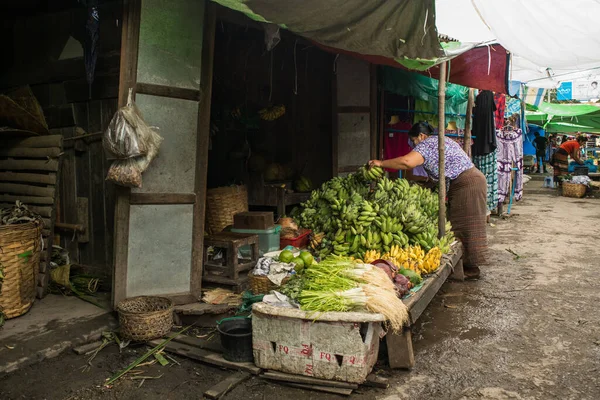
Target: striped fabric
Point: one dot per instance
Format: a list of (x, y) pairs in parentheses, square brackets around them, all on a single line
[(467, 212), (488, 165)]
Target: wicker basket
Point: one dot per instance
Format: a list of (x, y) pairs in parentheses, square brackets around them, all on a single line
[(576, 190), (20, 247), (262, 284), (222, 204), (145, 318)]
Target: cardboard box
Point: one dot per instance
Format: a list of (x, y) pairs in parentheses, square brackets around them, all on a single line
[(335, 346), (254, 220)]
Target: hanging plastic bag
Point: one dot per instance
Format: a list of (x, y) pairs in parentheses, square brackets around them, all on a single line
[(129, 172), (127, 134)]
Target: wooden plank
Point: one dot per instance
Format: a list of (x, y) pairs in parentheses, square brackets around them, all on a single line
[(130, 35), (162, 198), (334, 126), (468, 122), (324, 389), (212, 345), (43, 265), (229, 383), (207, 357), (202, 140), (442, 150), (46, 179), (400, 349), (37, 142), (353, 109), (418, 302), (33, 165), (96, 199), (109, 107), (40, 210), (373, 87), (29, 152), (83, 349), (307, 380), (60, 116), (377, 381), (26, 190), (5, 198), (167, 91), (82, 219)]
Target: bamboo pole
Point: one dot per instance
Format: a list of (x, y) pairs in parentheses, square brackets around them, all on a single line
[(468, 125), (442, 150)]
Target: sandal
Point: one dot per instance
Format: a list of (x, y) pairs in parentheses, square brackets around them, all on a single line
[(472, 273)]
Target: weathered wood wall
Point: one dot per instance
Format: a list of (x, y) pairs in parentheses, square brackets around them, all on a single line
[(42, 50)]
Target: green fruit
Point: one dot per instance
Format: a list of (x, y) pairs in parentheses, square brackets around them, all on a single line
[(414, 278), (299, 263), (286, 256), (307, 258)]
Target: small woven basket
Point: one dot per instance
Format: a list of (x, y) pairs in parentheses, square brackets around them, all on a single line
[(145, 318), (576, 190), (222, 204), (262, 285), (20, 247)]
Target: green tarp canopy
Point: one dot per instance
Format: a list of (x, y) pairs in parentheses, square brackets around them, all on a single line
[(403, 30), (565, 118), (406, 83)]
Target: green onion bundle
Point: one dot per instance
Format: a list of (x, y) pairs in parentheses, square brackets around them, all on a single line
[(340, 284)]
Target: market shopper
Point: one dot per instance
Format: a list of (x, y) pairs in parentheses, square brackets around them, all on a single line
[(540, 143), (570, 148), (467, 190)]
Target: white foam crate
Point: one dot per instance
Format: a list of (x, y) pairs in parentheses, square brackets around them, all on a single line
[(335, 346)]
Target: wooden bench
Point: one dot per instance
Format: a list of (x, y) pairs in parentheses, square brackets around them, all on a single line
[(399, 345)]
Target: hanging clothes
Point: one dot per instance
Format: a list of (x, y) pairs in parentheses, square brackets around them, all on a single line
[(396, 143), (500, 102), (483, 124), (488, 165), (510, 153)]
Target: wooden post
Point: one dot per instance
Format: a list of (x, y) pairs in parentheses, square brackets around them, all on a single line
[(203, 137), (470, 103), (442, 150)]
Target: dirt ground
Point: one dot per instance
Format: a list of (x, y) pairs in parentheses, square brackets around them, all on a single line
[(529, 329)]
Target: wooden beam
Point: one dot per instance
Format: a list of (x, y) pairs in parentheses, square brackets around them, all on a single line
[(468, 122), (33, 165), (130, 37), (162, 198), (374, 111), (283, 377), (354, 109), (26, 190), (167, 91), (227, 384), (46, 179), (42, 152), (206, 356), (36, 142), (442, 150), (335, 134), (202, 140), (6, 198)]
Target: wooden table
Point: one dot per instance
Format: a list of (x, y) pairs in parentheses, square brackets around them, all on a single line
[(399, 345)]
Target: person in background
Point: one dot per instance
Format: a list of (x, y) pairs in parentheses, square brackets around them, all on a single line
[(570, 148), (467, 190), (564, 139), (540, 143)]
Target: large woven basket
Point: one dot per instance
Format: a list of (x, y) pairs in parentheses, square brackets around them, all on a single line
[(145, 318), (222, 204), (576, 190), (20, 247), (262, 284)]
